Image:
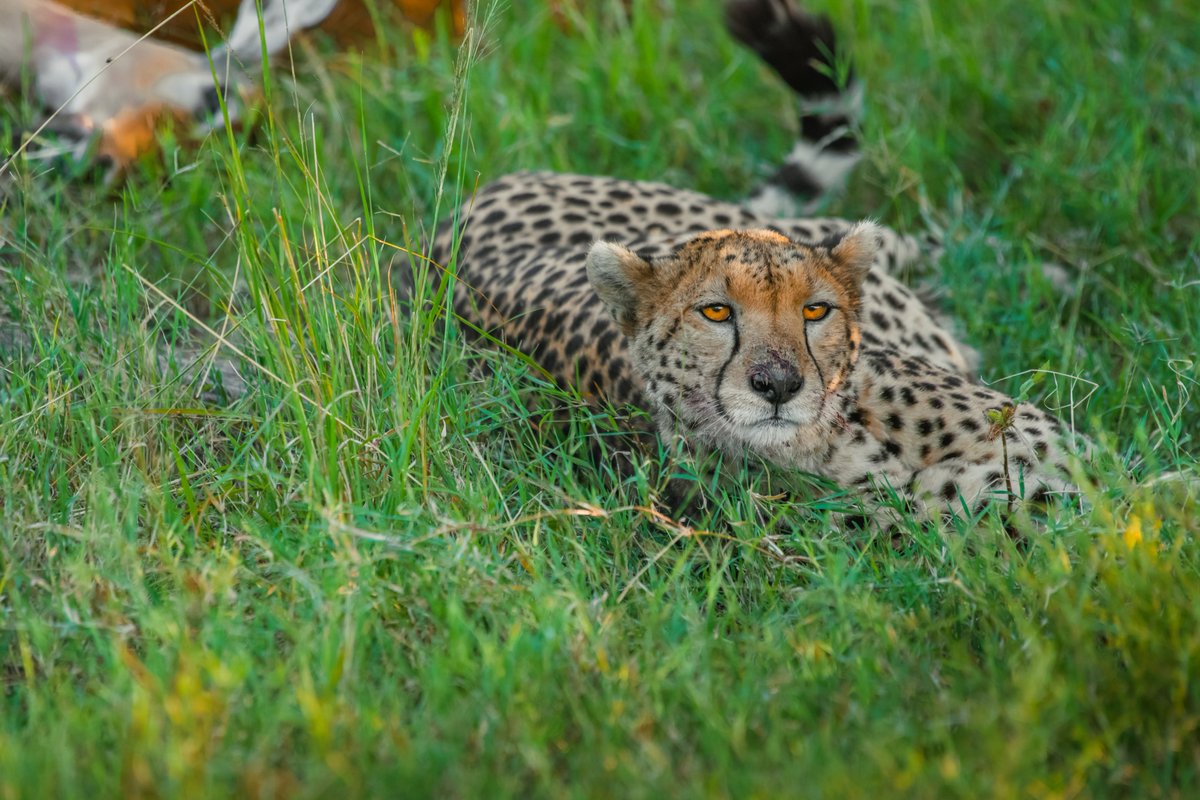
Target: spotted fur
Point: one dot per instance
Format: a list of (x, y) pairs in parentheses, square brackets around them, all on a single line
[(873, 395), (524, 242)]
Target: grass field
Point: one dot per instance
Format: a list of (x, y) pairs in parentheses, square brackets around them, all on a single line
[(377, 573)]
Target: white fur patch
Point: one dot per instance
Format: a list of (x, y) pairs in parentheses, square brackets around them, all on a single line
[(280, 19), (847, 103), (770, 201), (828, 168)]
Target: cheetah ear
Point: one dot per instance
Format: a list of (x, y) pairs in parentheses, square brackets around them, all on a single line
[(620, 276), (855, 253)]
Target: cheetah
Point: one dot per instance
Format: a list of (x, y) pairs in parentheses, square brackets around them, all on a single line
[(749, 342), (789, 340)]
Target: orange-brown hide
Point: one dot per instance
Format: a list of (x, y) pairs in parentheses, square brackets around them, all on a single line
[(349, 21)]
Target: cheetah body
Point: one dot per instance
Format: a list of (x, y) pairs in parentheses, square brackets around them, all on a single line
[(886, 403), (521, 268)]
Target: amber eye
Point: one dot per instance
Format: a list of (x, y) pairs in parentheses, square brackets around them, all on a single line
[(816, 311), (716, 312)]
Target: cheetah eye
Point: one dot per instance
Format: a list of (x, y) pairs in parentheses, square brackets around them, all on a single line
[(716, 312), (816, 311)]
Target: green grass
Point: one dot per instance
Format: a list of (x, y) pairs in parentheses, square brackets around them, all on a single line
[(380, 573)]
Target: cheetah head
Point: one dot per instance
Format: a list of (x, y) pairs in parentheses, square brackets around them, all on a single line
[(741, 337)]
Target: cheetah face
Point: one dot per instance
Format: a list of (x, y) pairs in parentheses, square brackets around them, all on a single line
[(740, 337)]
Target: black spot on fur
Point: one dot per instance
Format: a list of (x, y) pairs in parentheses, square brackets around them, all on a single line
[(605, 342)]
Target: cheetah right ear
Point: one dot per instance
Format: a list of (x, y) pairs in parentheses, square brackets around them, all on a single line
[(620, 276), (855, 253)]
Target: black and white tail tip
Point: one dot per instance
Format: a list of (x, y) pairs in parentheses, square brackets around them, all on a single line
[(802, 48)]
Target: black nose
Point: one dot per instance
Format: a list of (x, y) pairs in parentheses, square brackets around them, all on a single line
[(778, 383)]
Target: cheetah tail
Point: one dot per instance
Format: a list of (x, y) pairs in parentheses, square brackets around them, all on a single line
[(803, 49)]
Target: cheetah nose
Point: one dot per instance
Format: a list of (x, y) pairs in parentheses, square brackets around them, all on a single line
[(777, 383)]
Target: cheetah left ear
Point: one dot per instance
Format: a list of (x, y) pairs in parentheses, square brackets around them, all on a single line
[(620, 276), (855, 253)]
